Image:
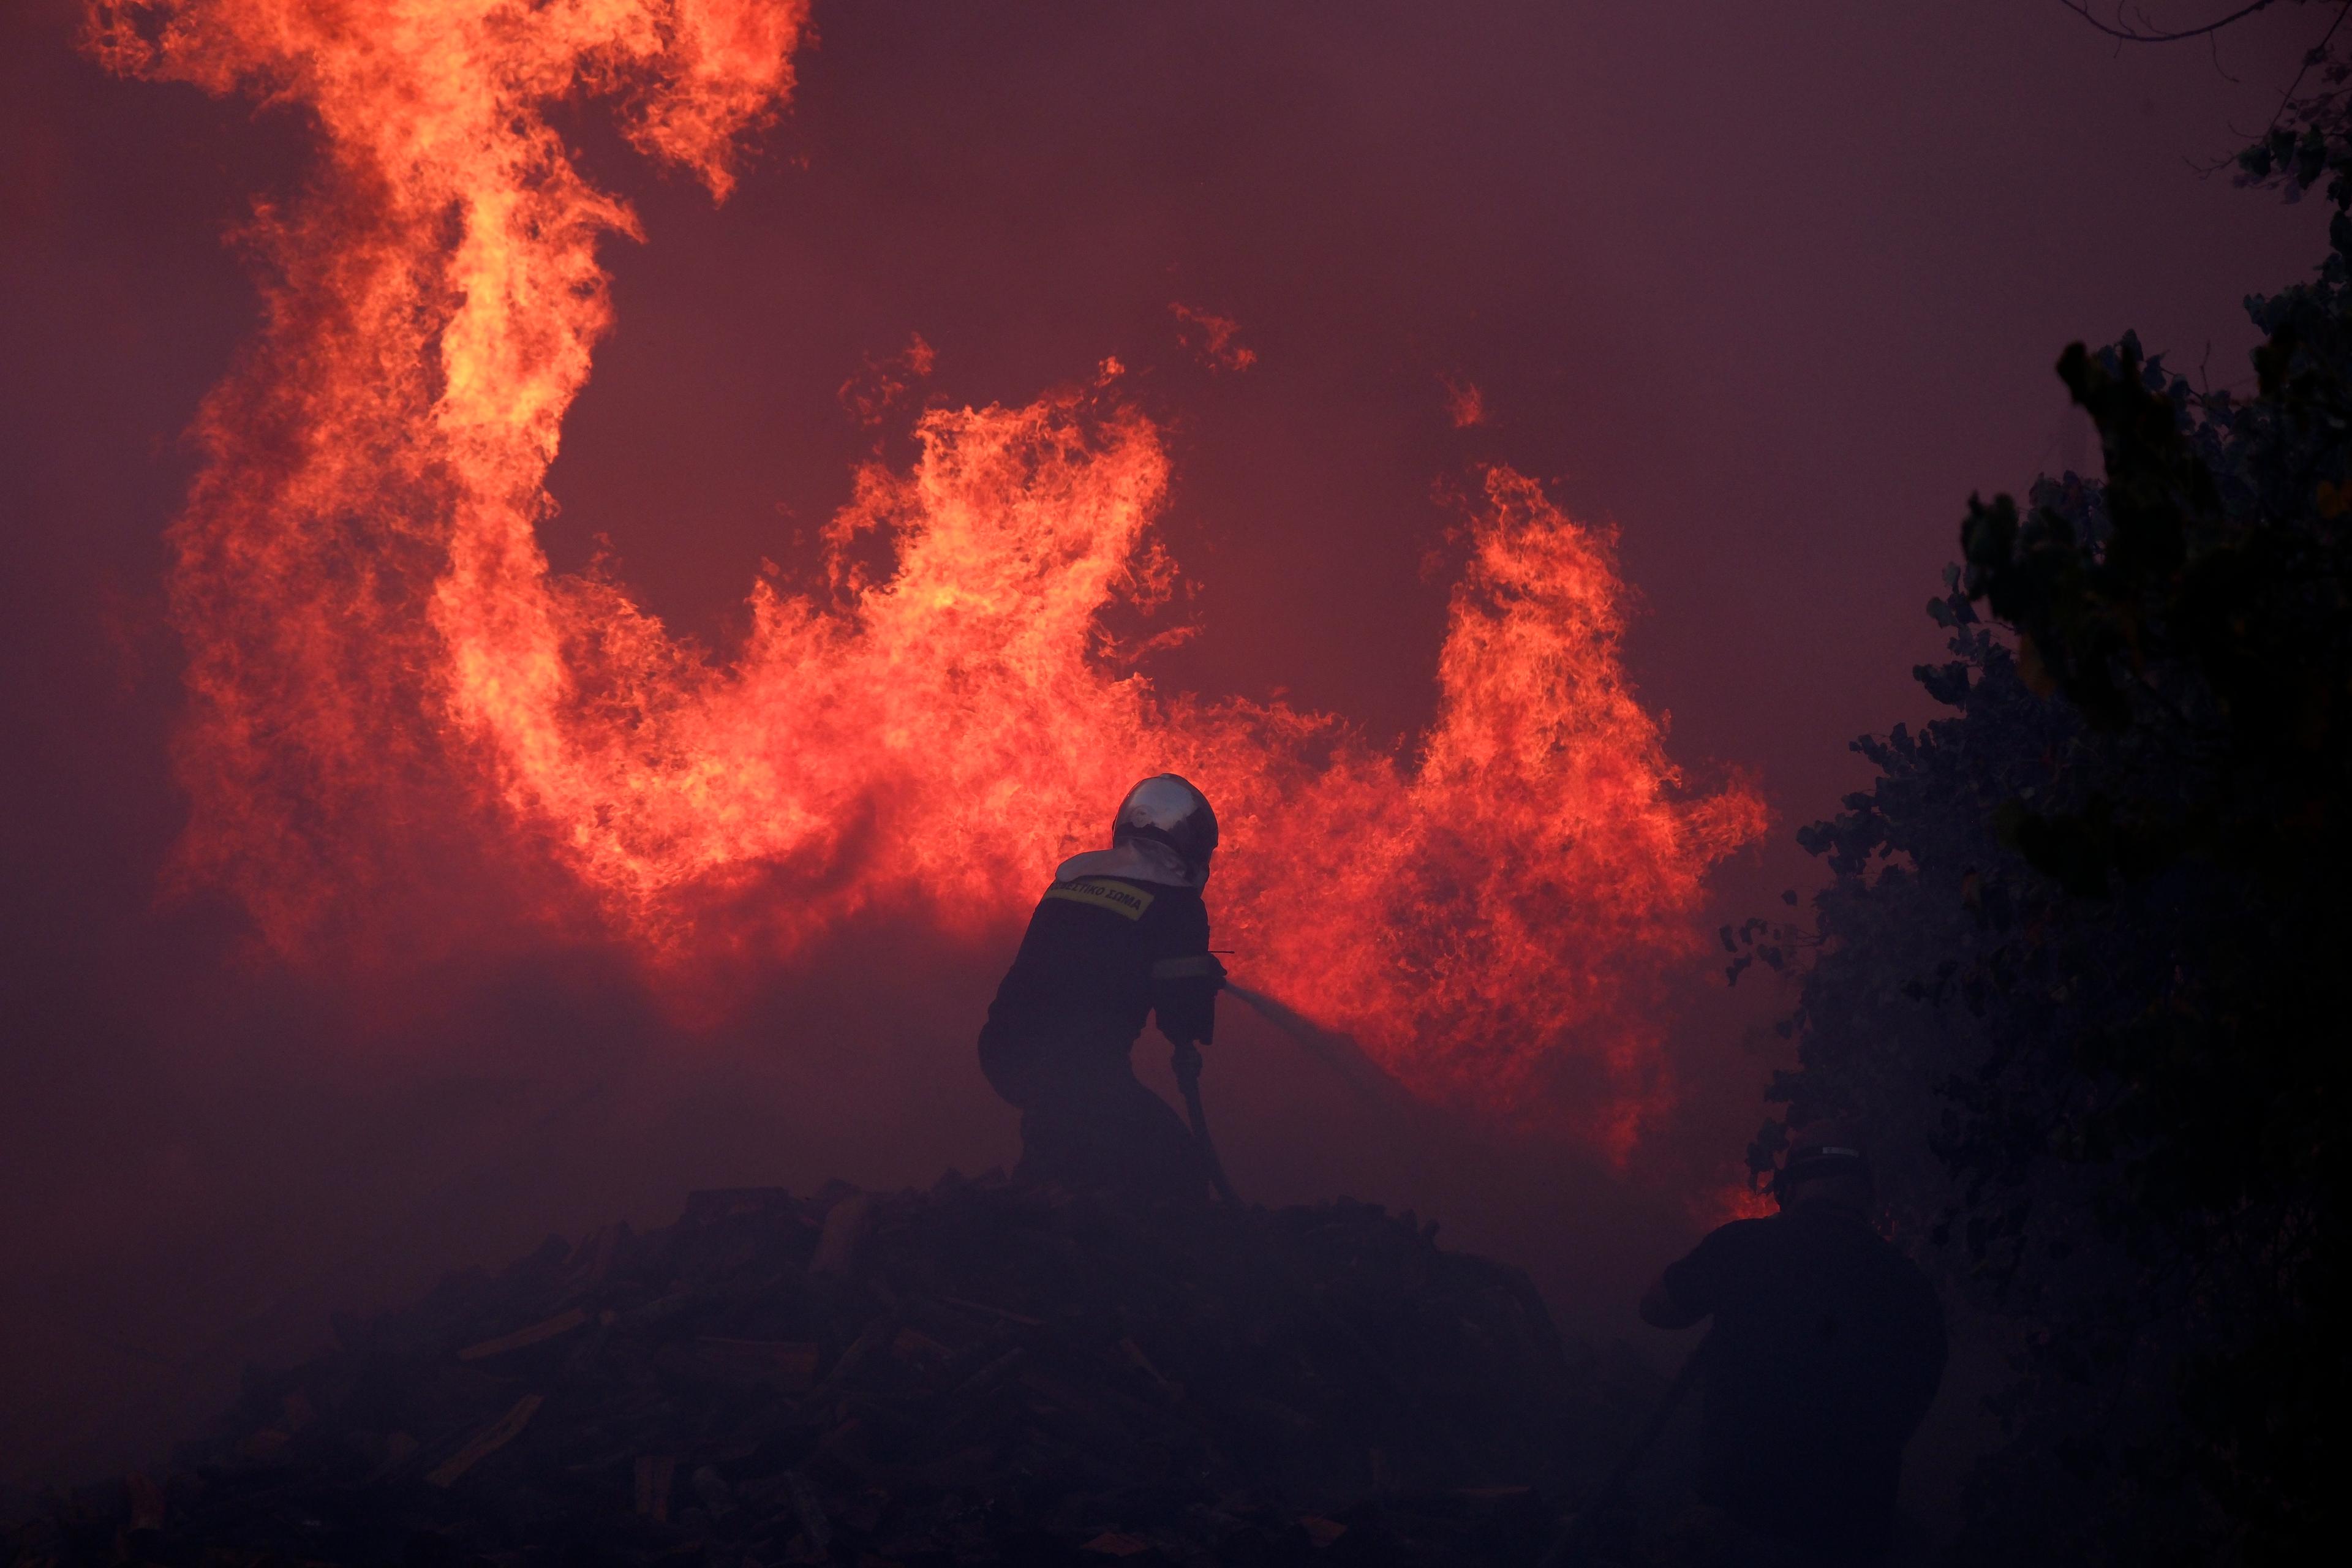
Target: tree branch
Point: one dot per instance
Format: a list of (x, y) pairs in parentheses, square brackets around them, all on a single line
[(2311, 57), (2082, 8)]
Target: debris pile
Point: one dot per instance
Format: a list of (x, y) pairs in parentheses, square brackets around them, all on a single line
[(978, 1373)]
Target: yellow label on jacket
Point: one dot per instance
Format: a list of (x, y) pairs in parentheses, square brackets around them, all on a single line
[(1120, 897)]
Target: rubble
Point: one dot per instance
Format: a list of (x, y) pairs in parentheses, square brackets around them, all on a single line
[(978, 1373)]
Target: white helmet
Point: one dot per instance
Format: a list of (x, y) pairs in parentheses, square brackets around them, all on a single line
[(1169, 809)]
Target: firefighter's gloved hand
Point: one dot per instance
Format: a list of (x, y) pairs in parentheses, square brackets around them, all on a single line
[(1184, 1061), (1192, 966), (1184, 997)]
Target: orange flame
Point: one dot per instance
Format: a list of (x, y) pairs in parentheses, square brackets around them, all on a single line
[(1464, 404), (390, 691), (1215, 341)]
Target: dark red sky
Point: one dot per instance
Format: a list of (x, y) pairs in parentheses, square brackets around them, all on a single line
[(1771, 287)]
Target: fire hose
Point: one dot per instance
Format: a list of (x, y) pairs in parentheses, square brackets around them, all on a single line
[(1186, 1060), (1345, 1058), (1575, 1541)]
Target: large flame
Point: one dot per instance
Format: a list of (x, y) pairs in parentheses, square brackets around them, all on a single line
[(392, 695)]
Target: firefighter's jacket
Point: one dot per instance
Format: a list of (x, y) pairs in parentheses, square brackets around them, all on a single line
[(1121, 935)]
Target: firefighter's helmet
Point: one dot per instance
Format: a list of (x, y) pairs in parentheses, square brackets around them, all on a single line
[(1822, 1154), (1169, 809)]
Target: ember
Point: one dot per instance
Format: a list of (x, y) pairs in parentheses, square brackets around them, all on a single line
[(975, 1373)]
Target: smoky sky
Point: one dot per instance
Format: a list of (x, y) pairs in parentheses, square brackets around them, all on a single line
[(1770, 289)]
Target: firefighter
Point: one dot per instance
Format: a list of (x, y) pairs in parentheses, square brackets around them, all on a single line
[(1122, 934), (1827, 1349)]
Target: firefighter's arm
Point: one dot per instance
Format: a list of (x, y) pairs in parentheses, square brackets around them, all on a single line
[(1685, 1291), (1184, 997), (1661, 1311)]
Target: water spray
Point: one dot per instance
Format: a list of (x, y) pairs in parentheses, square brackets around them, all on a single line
[(1340, 1052)]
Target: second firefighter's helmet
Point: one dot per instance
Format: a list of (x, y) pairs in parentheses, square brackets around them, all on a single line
[(1823, 1153), (1169, 809)]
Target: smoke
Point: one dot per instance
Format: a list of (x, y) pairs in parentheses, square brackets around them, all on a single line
[(407, 733), (501, 907), (209, 1190)]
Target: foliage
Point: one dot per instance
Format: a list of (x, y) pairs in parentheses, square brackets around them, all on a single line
[(2078, 969)]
